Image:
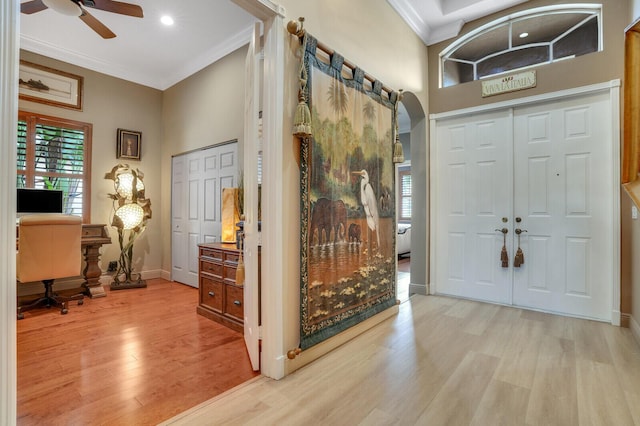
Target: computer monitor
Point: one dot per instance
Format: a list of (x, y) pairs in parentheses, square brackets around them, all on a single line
[(32, 200)]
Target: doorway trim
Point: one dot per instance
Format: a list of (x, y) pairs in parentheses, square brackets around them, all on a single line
[(9, 58), (613, 87)]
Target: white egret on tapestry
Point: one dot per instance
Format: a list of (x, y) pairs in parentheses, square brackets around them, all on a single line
[(369, 203)]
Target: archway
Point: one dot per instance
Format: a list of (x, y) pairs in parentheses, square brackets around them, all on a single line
[(419, 154)]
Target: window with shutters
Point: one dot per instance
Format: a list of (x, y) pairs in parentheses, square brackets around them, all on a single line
[(405, 194), (55, 153)]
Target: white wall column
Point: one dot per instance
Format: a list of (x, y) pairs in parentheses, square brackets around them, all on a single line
[(9, 60)]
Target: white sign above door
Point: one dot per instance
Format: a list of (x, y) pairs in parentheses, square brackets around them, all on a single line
[(510, 83)]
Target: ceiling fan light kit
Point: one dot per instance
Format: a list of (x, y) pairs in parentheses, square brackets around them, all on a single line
[(64, 7), (75, 8)]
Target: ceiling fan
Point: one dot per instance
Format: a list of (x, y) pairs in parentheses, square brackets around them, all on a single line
[(75, 8)]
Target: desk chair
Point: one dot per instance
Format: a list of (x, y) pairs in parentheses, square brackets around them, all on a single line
[(48, 248)]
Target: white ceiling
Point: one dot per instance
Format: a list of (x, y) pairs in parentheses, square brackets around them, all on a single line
[(438, 20), (149, 53), (144, 50)]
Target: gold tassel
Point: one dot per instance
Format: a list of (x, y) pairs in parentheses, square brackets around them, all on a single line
[(398, 154), (302, 120), (518, 259), (504, 257), (240, 271)]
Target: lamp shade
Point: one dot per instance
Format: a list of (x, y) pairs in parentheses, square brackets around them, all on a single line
[(131, 215), (124, 185)]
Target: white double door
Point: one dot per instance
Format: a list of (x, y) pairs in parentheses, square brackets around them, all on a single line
[(198, 178), (545, 169)]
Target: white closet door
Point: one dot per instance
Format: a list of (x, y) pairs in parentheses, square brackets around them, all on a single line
[(196, 201), (563, 181), (179, 223), (473, 195)]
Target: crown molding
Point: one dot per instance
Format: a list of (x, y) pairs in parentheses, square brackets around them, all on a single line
[(412, 18), (141, 77)]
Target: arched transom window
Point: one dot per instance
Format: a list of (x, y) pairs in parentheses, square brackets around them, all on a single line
[(525, 39)]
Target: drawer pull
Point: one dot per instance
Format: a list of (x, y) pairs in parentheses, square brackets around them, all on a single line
[(211, 294), (237, 302)]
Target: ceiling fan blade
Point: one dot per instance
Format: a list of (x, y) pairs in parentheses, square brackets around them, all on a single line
[(116, 7), (96, 25), (32, 7)]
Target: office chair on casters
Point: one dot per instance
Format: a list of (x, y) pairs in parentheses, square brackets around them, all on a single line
[(48, 248)]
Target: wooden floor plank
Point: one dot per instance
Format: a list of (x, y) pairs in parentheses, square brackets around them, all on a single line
[(137, 356)]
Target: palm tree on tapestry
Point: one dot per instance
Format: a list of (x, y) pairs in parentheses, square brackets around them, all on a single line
[(369, 111), (339, 100), (337, 97), (369, 135)]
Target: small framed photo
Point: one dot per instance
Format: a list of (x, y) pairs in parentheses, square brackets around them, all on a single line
[(48, 86), (129, 144)]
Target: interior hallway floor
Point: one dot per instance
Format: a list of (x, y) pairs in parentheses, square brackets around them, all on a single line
[(445, 361)]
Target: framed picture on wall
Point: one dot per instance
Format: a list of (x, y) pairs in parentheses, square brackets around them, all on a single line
[(129, 144), (48, 86)]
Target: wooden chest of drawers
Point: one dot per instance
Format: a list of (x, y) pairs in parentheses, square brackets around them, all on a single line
[(220, 298)]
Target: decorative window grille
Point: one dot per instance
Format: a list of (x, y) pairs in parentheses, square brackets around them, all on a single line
[(523, 40)]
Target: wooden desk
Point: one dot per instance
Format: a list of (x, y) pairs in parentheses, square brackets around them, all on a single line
[(93, 237)]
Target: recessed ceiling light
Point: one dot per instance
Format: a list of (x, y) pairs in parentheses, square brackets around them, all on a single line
[(167, 20), (523, 35)]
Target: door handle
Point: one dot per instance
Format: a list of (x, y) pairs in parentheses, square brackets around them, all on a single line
[(505, 231), (520, 231)]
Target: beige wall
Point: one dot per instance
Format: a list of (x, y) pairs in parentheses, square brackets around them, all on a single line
[(583, 70), (202, 110), (108, 104)]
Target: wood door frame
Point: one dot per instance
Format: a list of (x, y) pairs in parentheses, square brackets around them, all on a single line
[(613, 87)]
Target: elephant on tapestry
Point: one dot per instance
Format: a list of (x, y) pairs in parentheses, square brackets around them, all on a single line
[(328, 215), (354, 233)]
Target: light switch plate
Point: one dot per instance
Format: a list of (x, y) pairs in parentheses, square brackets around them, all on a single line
[(634, 212)]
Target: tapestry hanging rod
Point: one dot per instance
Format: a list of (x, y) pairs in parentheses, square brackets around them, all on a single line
[(297, 29)]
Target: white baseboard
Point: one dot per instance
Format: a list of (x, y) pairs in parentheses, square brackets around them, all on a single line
[(635, 329), (154, 273), (615, 318), (165, 275), (418, 289)]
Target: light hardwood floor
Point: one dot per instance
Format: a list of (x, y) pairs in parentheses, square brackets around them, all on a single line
[(444, 361), (135, 357)]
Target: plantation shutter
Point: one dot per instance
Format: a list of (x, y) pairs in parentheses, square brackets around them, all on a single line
[(54, 153), (405, 195)]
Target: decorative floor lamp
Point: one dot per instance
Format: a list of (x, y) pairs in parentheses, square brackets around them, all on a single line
[(131, 213)]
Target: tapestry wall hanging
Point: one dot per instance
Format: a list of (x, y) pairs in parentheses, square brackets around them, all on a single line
[(348, 265)]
